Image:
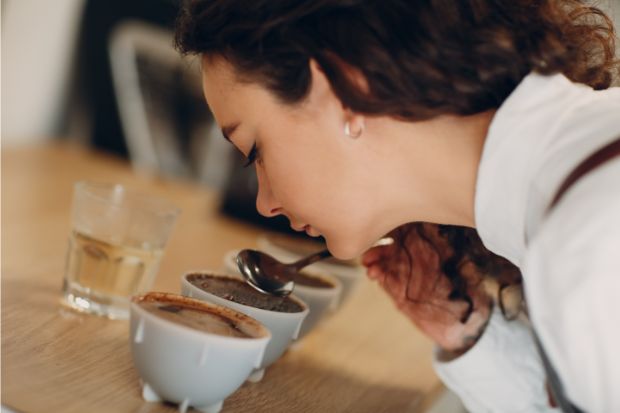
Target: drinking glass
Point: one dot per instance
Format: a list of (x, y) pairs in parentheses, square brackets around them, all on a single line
[(116, 242)]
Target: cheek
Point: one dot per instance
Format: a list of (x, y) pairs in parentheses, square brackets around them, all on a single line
[(314, 177), (302, 178), (327, 200)]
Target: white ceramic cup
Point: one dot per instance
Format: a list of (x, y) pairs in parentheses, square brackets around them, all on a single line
[(349, 275), (284, 327), (188, 366), (321, 301)]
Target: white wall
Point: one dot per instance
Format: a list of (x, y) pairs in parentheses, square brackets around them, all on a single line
[(38, 42)]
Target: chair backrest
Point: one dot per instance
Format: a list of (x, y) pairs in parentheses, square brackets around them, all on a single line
[(167, 124)]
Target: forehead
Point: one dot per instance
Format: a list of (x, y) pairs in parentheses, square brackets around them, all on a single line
[(216, 71), (218, 82), (228, 96)]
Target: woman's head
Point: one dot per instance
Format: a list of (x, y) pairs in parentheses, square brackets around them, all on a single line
[(287, 76)]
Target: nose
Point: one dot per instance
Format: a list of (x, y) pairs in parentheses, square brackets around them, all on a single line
[(266, 203)]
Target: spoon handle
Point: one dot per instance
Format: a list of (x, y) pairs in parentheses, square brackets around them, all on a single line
[(311, 259), (318, 256)]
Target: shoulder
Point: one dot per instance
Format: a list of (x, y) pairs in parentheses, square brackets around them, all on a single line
[(572, 281), (579, 240)]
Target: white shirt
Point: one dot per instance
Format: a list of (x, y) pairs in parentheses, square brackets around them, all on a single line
[(570, 259)]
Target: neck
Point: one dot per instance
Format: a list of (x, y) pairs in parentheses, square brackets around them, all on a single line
[(438, 162)]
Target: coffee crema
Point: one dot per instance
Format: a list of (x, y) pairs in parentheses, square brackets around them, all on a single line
[(194, 315), (235, 290)]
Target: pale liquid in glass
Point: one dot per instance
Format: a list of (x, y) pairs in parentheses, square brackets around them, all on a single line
[(100, 276)]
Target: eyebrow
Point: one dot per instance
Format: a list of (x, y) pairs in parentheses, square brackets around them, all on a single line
[(228, 130)]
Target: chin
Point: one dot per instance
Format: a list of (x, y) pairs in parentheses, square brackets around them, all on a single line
[(346, 248)]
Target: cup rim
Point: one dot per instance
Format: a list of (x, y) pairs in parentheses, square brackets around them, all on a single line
[(158, 205), (297, 300), (262, 331)]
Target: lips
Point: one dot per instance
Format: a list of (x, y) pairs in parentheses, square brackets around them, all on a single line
[(311, 231), (308, 229)]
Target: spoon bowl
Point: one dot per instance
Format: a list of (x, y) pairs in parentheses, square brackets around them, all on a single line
[(269, 275)]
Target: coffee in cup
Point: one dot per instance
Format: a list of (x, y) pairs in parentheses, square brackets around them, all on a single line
[(194, 315), (240, 292)]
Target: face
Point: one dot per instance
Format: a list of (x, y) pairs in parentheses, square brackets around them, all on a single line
[(307, 168)]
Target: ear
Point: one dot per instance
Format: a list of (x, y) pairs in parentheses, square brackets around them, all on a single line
[(322, 85), (322, 95), (320, 88)]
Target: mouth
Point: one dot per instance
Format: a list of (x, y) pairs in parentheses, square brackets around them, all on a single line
[(311, 231), (307, 229)]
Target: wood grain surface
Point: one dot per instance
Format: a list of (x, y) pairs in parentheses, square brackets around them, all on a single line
[(365, 358)]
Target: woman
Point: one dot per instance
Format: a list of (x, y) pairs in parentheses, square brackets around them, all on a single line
[(363, 116)]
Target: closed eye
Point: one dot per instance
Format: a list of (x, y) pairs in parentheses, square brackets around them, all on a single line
[(251, 158)]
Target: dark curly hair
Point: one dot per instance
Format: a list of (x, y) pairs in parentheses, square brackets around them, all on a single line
[(420, 59), (464, 246)]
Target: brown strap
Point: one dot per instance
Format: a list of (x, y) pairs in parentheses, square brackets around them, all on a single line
[(555, 390), (606, 153)]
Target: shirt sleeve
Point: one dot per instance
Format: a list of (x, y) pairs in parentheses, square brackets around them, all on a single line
[(501, 373)]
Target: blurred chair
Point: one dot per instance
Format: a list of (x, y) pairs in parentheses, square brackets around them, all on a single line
[(166, 122)]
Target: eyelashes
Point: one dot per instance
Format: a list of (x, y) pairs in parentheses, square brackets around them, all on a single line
[(251, 158)]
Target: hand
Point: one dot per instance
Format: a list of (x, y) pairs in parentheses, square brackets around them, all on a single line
[(439, 291)]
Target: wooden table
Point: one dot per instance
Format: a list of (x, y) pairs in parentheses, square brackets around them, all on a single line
[(366, 358)]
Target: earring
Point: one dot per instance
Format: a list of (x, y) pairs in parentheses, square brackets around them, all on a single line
[(347, 130)]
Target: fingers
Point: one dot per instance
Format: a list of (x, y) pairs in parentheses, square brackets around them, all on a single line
[(374, 255), (375, 272), (374, 260)]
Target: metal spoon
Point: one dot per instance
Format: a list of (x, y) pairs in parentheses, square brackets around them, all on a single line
[(269, 275)]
